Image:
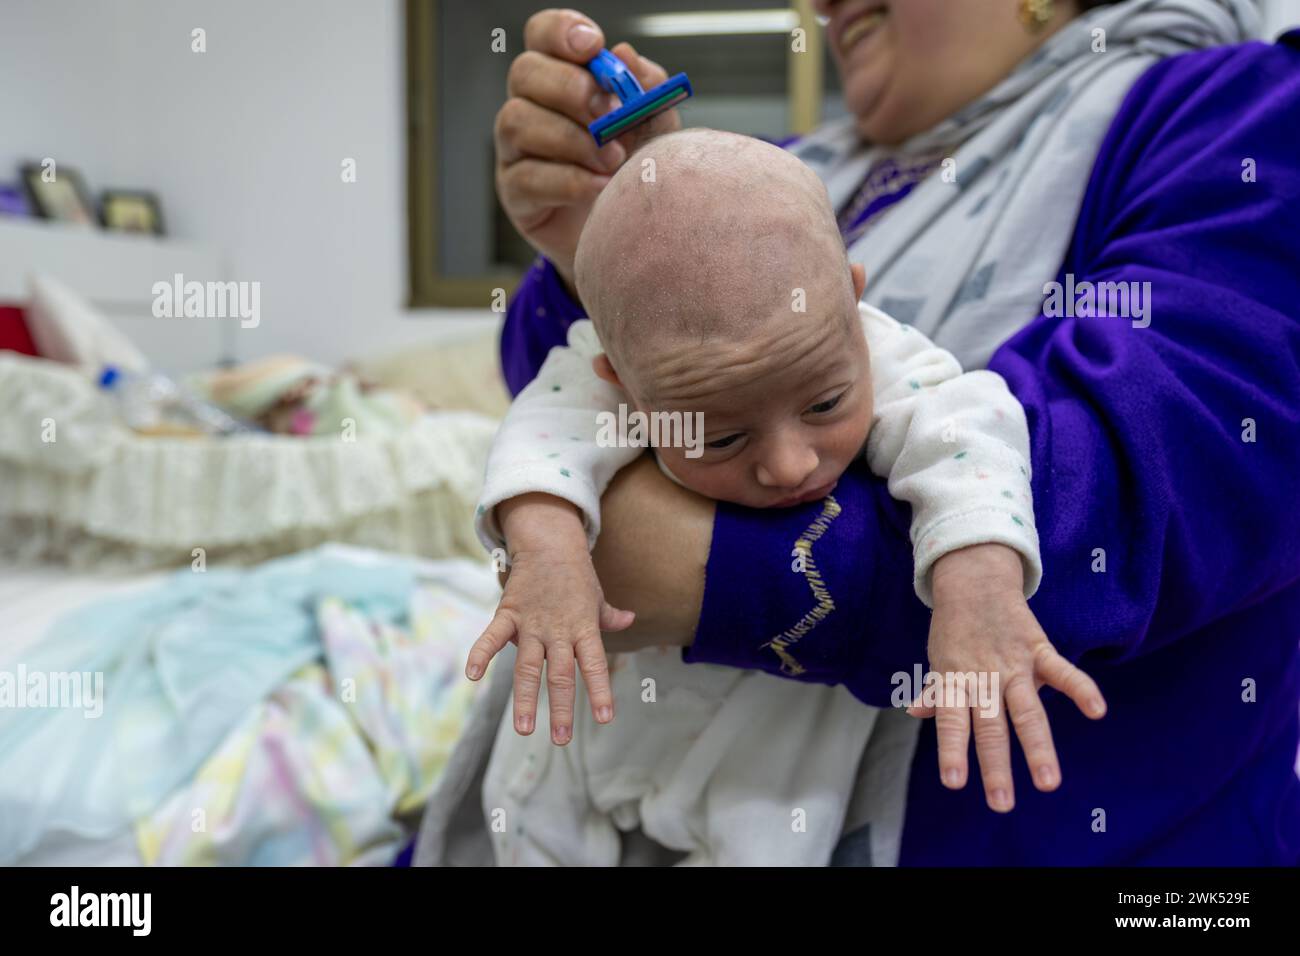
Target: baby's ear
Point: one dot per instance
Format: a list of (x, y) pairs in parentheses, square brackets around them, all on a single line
[(604, 370), (858, 273)]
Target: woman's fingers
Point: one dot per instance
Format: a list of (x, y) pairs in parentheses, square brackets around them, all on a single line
[(1055, 671), (993, 748), (561, 679), (549, 169), (525, 128), (528, 683), (649, 74), (1034, 733), (594, 666), (566, 89), (500, 632), (566, 34), (647, 71), (532, 188), (952, 729)]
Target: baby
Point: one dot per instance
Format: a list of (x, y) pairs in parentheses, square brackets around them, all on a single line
[(718, 286)]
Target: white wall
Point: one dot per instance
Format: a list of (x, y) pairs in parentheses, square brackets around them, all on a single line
[(244, 144)]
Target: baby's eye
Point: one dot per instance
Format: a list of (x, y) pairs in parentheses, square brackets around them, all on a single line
[(723, 442), (822, 407)]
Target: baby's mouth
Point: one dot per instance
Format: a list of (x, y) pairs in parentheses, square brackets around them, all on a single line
[(817, 494), (859, 27)]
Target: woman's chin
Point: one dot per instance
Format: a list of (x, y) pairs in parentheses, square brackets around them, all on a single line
[(882, 124), (877, 120)]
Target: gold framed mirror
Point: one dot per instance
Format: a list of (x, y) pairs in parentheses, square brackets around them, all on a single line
[(757, 68)]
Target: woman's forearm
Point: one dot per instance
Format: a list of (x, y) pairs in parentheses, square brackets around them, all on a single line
[(820, 593), (847, 615), (651, 556)]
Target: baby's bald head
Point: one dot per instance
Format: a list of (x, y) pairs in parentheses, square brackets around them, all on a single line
[(704, 235)]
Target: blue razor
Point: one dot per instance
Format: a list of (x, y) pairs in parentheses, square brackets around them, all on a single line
[(638, 106)]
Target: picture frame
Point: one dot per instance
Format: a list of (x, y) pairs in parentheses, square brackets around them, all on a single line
[(136, 211), (62, 199)]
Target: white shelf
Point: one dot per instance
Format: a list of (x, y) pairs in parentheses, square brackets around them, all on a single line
[(114, 270)]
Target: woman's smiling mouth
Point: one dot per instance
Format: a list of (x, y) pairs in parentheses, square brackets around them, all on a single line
[(860, 26)]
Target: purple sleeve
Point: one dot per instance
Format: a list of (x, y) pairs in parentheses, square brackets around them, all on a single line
[(537, 320), (1171, 452), (848, 616), (1173, 449)]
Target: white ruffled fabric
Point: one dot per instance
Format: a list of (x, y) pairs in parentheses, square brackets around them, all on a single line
[(99, 494)]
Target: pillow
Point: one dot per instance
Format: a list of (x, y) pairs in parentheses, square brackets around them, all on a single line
[(461, 375), (67, 328), (13, 331)]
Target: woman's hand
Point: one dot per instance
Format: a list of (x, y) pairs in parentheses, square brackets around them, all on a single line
[(549, 170)]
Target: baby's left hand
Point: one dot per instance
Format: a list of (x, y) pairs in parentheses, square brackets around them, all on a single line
[(982, 623)]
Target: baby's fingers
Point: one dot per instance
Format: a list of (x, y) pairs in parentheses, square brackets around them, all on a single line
[(500, 632), (952, 728), (1034, 732), (561, 679), (613, 620), (993, 748), (1055, 671), (595, 674), (919, 709), (528, 683)]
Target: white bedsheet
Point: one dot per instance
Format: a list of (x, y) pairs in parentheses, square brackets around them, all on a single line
[(30, 600), (33, 597)]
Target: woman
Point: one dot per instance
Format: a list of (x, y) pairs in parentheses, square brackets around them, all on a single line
[(1096, 201)]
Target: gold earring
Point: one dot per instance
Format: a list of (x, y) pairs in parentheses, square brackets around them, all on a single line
[(1034, 14)]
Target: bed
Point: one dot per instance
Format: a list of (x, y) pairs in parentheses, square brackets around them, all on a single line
[(301, 774), (110, 541)]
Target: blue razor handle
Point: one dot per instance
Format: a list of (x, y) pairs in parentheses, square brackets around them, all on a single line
[(614, 77), (638, 106)]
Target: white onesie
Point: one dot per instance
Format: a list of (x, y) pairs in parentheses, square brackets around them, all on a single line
[(955, 446), (736, 767)]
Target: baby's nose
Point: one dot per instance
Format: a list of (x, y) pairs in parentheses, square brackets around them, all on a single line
[(787, 466)]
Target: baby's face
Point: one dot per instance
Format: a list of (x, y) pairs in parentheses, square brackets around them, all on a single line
[(785, 411)]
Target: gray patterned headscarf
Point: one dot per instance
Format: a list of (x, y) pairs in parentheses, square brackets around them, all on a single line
[(966, 261)]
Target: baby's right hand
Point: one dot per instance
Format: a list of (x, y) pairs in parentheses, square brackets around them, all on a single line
[(553, 609)]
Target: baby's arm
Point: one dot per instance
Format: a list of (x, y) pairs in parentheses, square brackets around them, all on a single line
[(547, 442), (956, 447), (540, 502)]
